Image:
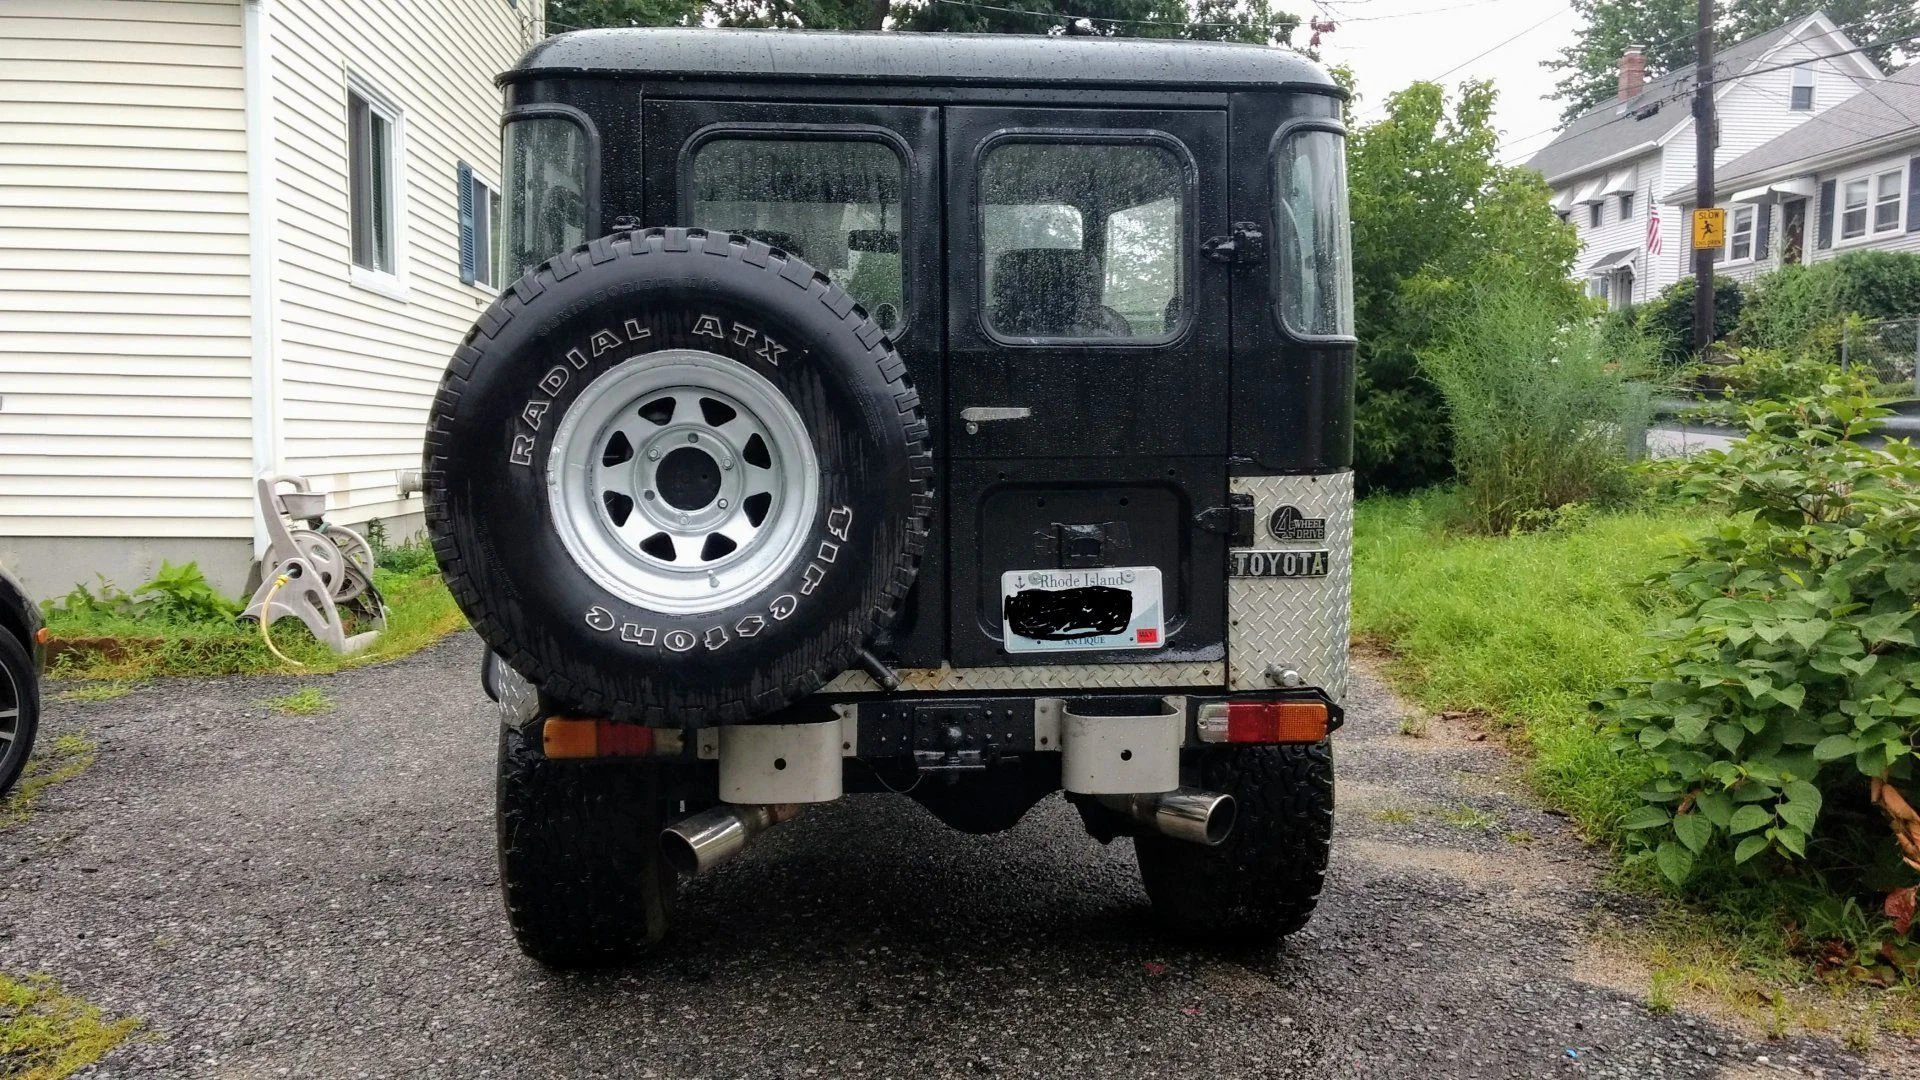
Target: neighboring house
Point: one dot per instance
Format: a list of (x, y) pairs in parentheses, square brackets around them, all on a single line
[(1614, 169), (1847, 180), (231, 240)]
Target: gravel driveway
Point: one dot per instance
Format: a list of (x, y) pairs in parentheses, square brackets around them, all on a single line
[(315, 897)]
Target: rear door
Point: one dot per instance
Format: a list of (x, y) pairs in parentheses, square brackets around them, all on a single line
[(1086, 403)]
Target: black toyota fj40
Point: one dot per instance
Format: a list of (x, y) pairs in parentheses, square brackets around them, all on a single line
[(964, 416)]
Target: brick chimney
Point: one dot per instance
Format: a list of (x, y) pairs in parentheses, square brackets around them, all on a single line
[(1633, 71)]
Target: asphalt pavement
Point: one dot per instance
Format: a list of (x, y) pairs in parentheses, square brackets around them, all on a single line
[(315, 896)]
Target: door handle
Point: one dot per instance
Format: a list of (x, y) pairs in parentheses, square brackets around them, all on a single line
[(975, 415)]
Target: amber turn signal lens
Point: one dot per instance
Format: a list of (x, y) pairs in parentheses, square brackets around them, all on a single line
[(563, 737), (41, 635), (1263, 722)]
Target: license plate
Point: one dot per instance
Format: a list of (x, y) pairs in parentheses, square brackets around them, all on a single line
[(1077, 610)]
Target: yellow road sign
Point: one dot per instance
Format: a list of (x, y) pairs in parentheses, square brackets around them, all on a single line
[(1709, 229)]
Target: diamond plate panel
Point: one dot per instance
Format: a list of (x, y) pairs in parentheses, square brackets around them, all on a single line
[(1294, 624), (1039, 677)]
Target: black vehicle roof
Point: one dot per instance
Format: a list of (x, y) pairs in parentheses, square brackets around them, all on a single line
[(681, 53)]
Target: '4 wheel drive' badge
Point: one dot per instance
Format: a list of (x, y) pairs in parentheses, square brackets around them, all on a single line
[(1287, 523)]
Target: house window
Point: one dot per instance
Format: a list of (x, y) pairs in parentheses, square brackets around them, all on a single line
[(1886, 201), (1593, 214), (1740, 238), (1853, 210), (373, 204), (479, 230), (1802, 89), (1626, 206)]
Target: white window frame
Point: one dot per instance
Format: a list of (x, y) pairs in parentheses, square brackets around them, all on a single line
[(1802, 80), (1898, 201), (1870, 181), (486, 219), (393, 285), (1736, 233)]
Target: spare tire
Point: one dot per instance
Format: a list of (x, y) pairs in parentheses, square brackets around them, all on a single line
[(678, 477)]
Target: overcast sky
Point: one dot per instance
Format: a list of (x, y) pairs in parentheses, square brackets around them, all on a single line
[(1390, 43)]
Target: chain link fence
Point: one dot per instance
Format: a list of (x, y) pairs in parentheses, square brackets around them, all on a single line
[(1890, 348)]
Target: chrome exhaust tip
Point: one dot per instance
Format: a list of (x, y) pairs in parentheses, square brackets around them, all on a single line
[(1198, 817), (696, 844)]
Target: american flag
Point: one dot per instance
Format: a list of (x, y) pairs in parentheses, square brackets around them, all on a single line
[(1653, 230)]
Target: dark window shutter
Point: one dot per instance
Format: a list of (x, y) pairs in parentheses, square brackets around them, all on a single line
[(463, 176), (1827, 192), (1913, 195), (1762, 231)]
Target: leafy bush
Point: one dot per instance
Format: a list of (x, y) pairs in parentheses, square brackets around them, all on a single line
[(1541, 413), (410, 558), (1791, 680), (1667, 319), (1799, 308), (177, 596)]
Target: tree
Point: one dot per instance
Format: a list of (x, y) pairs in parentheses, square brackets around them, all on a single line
[(1665, 30), (590, 14), (1434, 216), (1255, 21)]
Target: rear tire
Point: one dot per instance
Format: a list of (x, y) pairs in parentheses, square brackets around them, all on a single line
[(580, 864), (1263, 881), (19, 708)]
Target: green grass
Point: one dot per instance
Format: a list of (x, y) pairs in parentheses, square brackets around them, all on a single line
[(1526, 629), (48, 1034), (65, 758), (305, 701), (91, 692), (420, 612)]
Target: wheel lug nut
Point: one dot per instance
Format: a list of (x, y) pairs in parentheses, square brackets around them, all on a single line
[(647, 495), (693, 436), (653, 454), (723, 504)]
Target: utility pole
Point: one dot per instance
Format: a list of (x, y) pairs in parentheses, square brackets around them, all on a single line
[(1703, 140)]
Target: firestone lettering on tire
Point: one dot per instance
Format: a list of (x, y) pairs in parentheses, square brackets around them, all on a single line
[(603, 341), (781, 607)]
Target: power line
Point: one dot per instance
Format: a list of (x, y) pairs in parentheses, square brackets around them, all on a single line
[(1554, 15)]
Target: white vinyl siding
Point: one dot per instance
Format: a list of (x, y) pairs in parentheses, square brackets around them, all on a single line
[(125, 378), (358, 367)]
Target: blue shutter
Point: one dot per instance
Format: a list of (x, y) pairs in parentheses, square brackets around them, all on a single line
[(1913, 195), (1828, 191), (463, 176)]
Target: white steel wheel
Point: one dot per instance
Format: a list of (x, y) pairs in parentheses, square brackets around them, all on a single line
[(683, 481)]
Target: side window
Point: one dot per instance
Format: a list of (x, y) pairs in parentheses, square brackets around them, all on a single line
[(1083, 240), (544, 171), (1313, 249), (373, 199), (833, 202), (479, 229)]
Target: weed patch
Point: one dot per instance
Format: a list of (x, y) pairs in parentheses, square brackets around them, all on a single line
[(305, 701), (89, 643), (67, 757), (90, 692), (48, 1034)]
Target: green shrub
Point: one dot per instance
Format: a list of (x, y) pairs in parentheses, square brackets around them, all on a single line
[(1799, 308), (1667, 319), (1542, 414), (1791, 681)]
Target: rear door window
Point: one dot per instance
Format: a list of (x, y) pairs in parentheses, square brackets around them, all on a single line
[(834, 202), (1312, 250), (1083, 240)]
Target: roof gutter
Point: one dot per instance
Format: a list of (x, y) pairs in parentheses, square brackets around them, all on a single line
[(263, 251), (1879, 146)]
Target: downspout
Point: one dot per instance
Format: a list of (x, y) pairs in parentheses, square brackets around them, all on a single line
[(263, 252)]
